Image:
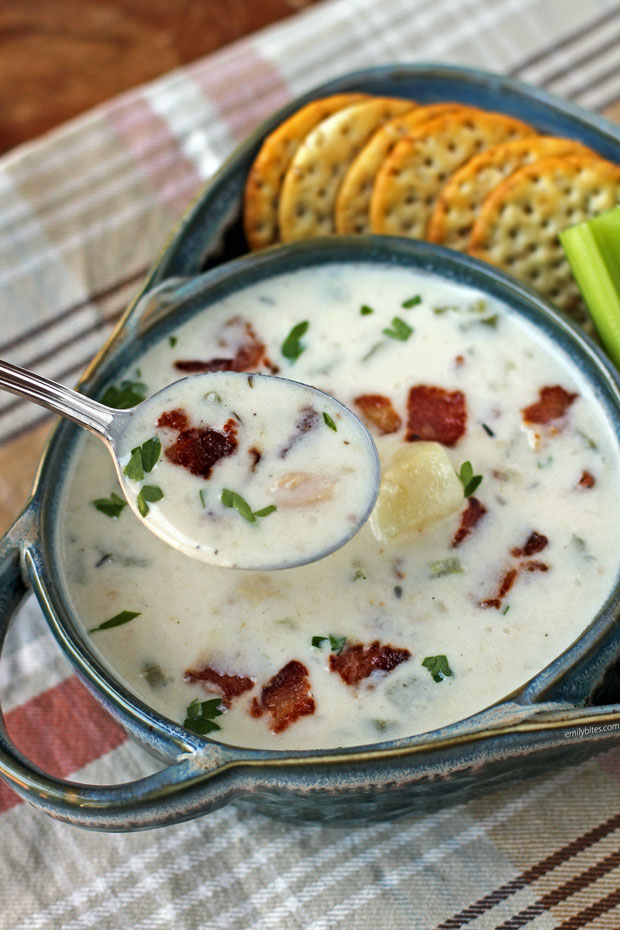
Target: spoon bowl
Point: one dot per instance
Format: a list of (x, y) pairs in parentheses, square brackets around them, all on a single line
[(239, 470)]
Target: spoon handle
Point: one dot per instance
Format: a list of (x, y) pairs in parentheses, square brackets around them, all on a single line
[(56, 397)]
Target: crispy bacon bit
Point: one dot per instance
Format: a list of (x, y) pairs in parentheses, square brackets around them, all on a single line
[(469, 518), (256, 457), (552, 404), (459, 360), (197, 448), (308, 418), (533, 565), (358, 661), (380, 412), (536, 542), (436, 415), (248, 356), (587, 480), (228, 686), (174, 419), (287, 697), (506, 584)]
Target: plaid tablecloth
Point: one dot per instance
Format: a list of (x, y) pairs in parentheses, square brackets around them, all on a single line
[(83, 212)]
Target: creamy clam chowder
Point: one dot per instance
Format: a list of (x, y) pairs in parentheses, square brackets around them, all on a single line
[(493, 543), (248, 470)]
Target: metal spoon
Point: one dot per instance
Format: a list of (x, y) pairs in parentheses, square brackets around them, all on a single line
[(248, 508)]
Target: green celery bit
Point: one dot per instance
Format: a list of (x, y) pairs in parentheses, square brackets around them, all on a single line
[(119, 620), (593, 251)]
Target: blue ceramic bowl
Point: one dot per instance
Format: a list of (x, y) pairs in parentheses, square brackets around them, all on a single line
[(529, 731)]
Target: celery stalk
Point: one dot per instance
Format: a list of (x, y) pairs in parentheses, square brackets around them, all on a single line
[(593, 251)]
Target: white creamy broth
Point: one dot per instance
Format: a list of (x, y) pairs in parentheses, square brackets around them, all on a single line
[(248, 470), (431, 628)]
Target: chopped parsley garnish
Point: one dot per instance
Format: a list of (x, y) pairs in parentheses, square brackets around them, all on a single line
[(292, 347), (143, 459), (214, 397), (125, 395), (328, 420), (438, 667), (411, 302), (265, 511), (111, 506), (544, 463), (365, 310), (173, 341), (359, 573), (124, 617), (372, 351), (134, 468), (250, 381), (398, 591), (469, 481), (336, 643), (148, 494), (150, 450), (506, 609), (232, 499), (201, 495), (200, 716), (398, 330), (488, 430), (442, 567)]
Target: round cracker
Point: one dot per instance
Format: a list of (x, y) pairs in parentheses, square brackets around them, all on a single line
[(517, 229), (262, 189), (311, 184), (462, 196), (411, 177), (353, 201)]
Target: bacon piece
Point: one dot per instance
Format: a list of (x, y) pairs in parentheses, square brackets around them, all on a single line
[(358, 661), (505, 585), (287, 697), (535, 542), (436, 415), (552, 404), (228, 686), (256, 457), (380, 412), (197, 448), (174, 419), (308, 419), (248, 356), (532, 565), (469, 518), (587, 480)]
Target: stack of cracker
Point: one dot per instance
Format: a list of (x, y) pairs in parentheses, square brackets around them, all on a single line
[(479, 182)]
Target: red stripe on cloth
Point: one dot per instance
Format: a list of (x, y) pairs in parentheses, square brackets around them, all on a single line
[(242, 87), (172, 175), (61, 730)]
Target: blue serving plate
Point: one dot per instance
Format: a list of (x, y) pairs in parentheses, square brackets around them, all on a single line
[(564, 714)]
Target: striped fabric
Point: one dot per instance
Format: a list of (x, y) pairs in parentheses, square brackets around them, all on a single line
[(83, 213)]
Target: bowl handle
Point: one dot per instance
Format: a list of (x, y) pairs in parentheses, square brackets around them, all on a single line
[(183, 790)]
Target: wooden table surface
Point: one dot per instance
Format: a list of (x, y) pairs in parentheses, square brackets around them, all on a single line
[(60, 57)]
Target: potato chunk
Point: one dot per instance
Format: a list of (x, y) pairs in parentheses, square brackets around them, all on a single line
[(418, 487)]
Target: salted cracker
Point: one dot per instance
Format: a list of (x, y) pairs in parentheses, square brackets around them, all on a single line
[(411, 177), (262, 189), (311, 184), (462, 196), (517, 229), (353, 201)]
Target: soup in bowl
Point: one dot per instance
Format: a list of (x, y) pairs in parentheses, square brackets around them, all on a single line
[(476, 608)]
